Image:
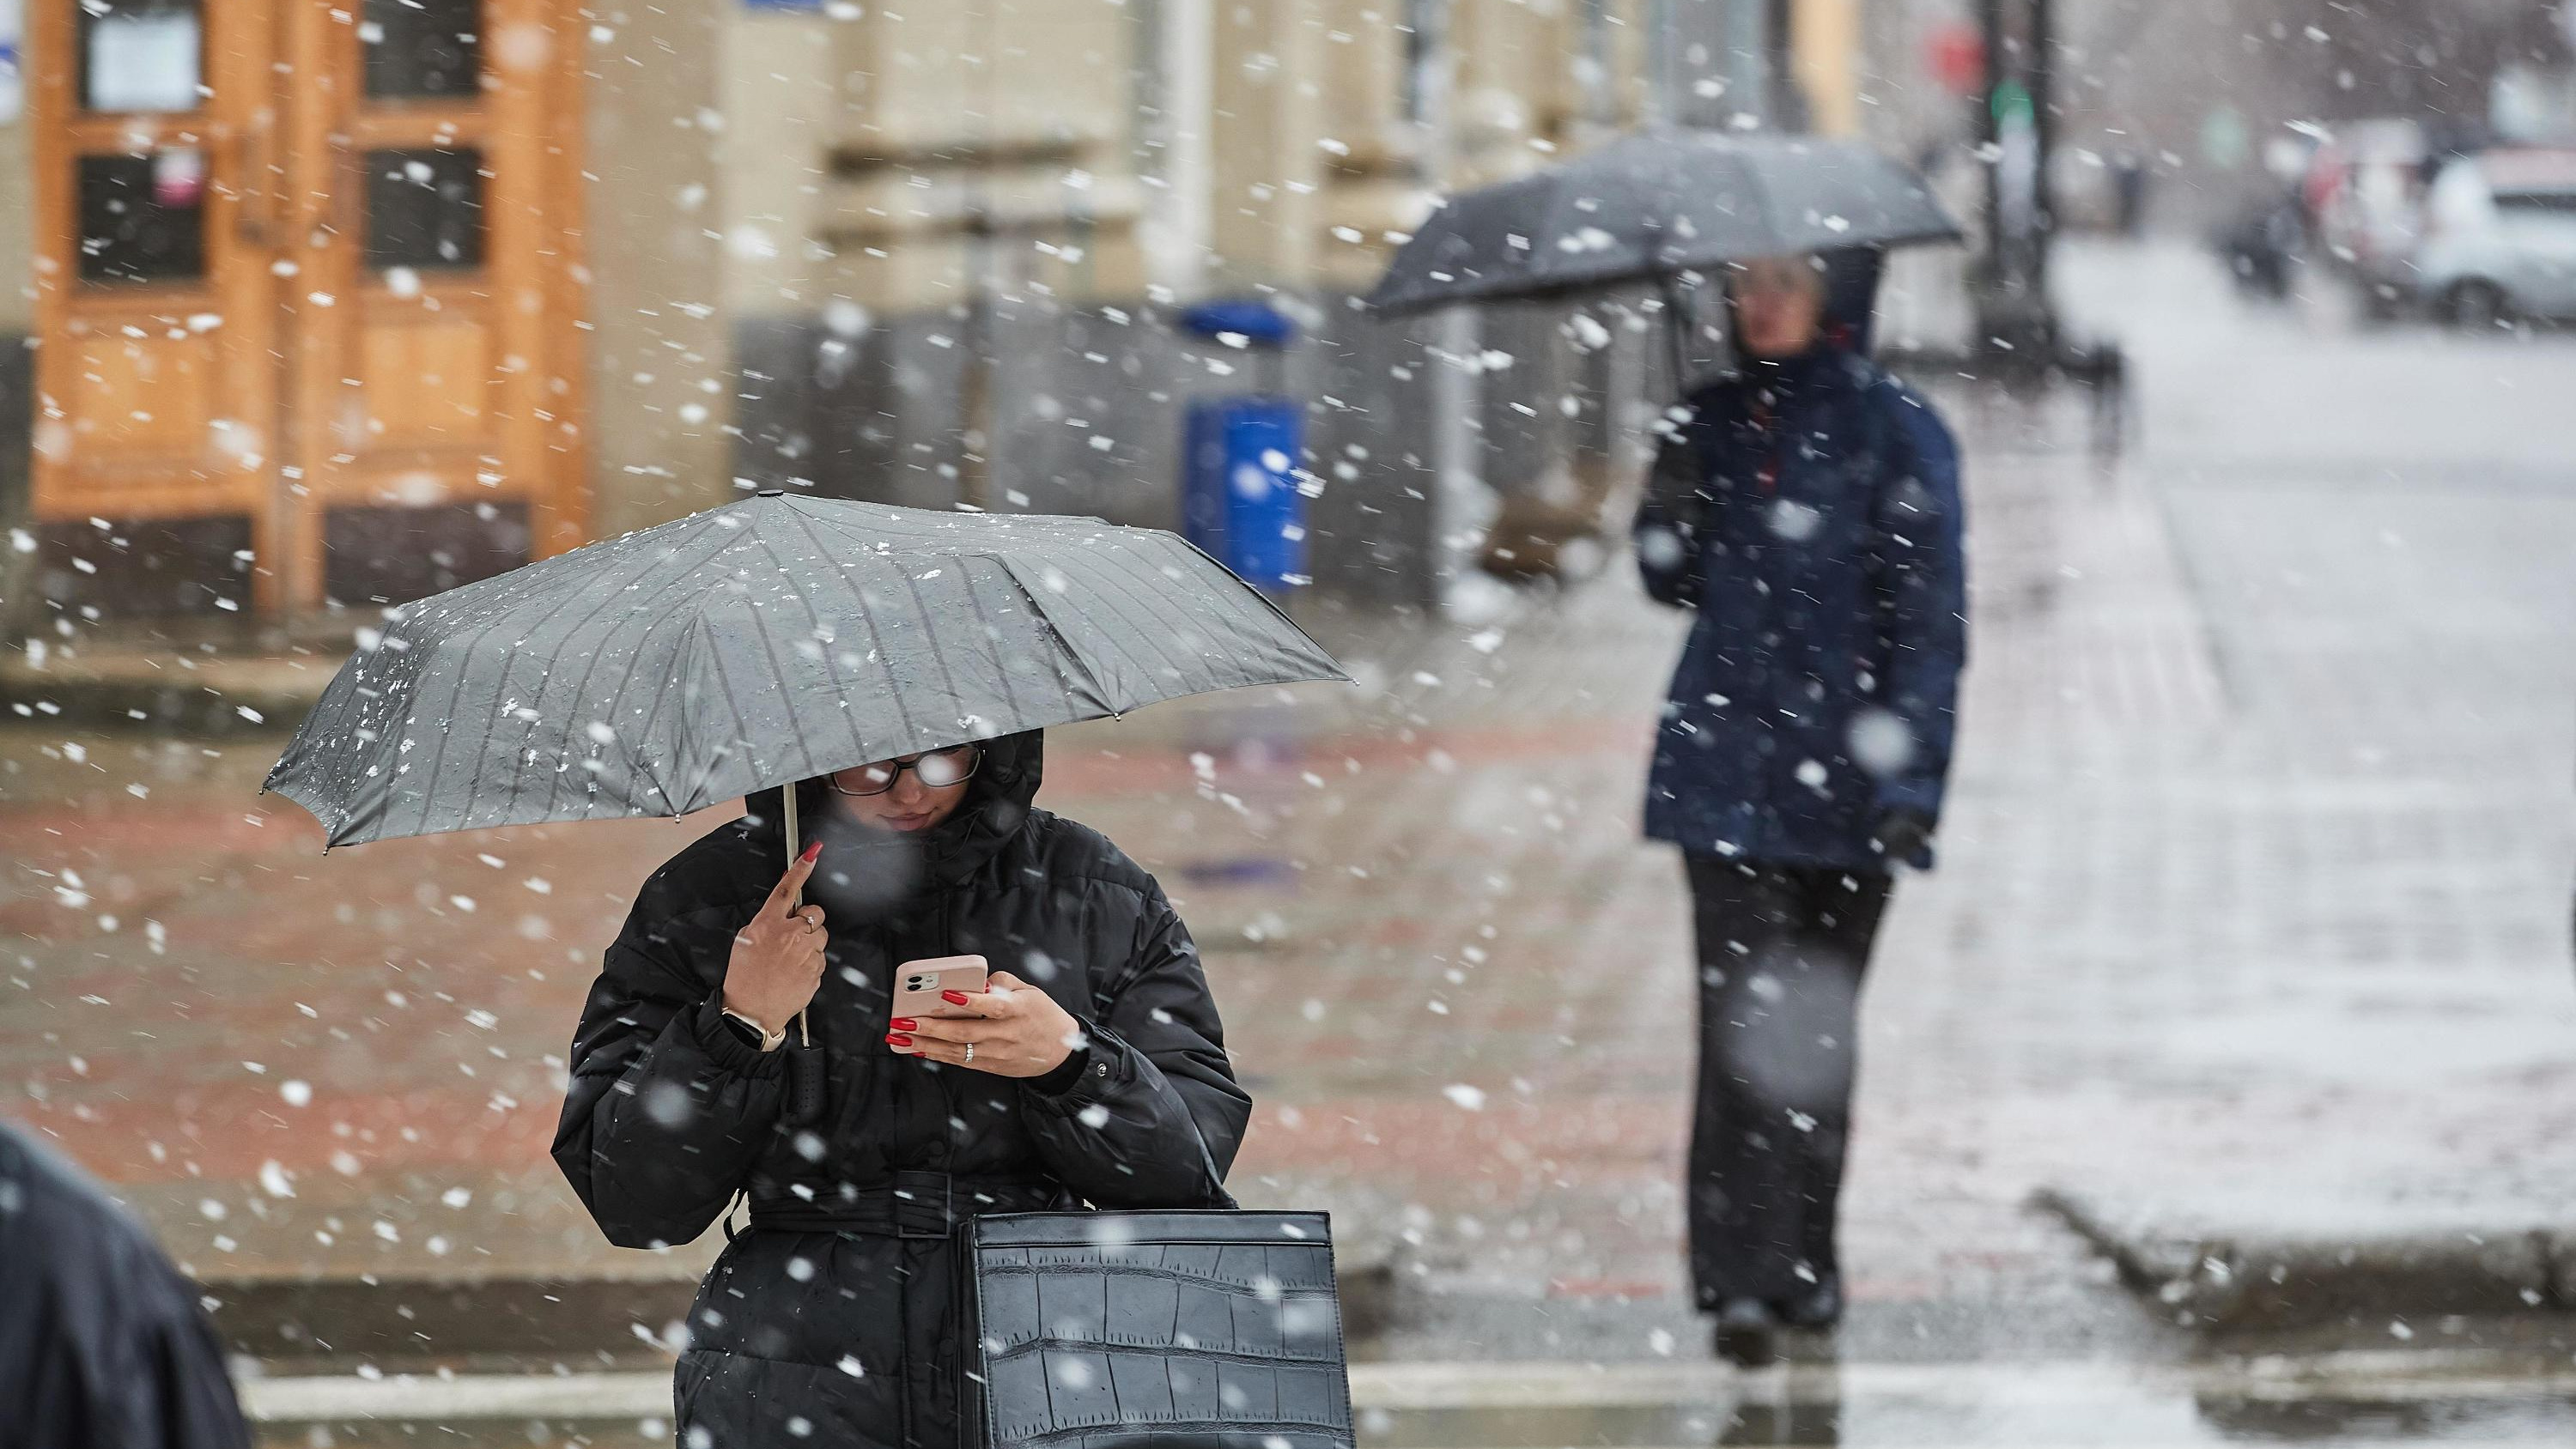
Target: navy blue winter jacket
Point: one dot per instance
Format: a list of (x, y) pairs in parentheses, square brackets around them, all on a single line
[(1809, 513)]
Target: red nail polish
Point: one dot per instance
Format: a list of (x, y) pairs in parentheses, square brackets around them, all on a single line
[(901, 1023), (811, 851), (896, 1038), (953, 998)]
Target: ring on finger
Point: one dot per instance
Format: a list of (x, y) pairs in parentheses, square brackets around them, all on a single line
[(970, 1052)]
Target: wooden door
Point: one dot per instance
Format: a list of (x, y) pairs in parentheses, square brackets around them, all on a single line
[(155, 210), (376, 338), (432, 368)]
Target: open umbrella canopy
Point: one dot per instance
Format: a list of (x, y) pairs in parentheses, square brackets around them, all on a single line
[(763, 642), (1655, 204)]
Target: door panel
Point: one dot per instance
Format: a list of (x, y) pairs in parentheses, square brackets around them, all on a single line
[(141, 398), (448, 364)]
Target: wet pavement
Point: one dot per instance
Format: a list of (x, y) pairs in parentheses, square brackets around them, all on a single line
[(2251, 920)]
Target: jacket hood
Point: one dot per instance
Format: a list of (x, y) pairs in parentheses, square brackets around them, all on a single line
[(867, 874), (1851, 298)]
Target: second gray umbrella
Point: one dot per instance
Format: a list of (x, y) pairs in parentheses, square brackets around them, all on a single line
[(1653, 205), (766, 641)]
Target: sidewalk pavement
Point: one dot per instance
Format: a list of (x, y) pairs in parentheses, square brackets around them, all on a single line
[(2248, 926)]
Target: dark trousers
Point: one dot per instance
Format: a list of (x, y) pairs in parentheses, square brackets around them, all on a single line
[(1781, 952)]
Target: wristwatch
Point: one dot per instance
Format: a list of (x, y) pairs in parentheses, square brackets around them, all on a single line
[(761, 1036)]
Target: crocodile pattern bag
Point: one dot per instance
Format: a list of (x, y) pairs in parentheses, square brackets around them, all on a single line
[(1152, 1330)]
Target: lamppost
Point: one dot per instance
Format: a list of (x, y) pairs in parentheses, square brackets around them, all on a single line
[(2015, 129), (2018, 337)]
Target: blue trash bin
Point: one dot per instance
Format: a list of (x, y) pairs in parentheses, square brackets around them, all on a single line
[(1239, 494), (1240, 498)]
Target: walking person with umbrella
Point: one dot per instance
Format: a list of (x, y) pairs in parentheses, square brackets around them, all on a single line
[(874, 683), (1807, 513)]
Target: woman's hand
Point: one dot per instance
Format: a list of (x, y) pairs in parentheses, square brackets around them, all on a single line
[(1016, 1030), (777, 957)]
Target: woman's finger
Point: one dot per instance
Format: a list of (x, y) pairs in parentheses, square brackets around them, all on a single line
[(958, 1029), (988, 1003), (946, 1053)]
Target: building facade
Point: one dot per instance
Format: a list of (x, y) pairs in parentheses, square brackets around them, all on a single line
[(334, 304)]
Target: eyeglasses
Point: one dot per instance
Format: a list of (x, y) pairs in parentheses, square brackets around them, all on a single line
[(937, 769)]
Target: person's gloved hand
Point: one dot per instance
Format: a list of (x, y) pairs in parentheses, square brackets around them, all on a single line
[(1901, 835)]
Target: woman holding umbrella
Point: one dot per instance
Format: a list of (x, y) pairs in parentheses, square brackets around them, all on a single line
[(897, 667), (1094, 1068)]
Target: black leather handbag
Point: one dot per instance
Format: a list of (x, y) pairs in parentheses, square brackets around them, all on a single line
[(1151, 1330)]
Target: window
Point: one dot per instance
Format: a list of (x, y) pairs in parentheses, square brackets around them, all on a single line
[(422, 48), (140, 56), (425, 208), (142, 218)]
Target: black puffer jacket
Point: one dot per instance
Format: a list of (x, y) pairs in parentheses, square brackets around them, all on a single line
[(833, 1322)]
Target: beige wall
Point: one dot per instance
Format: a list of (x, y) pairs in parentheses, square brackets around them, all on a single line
[(778, 87), (1515, 79), (1370, 169), (659, 355), (1825, 50), (1266, 127), (976, 144), (909, 158)]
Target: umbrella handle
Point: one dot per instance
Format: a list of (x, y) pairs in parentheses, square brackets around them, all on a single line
[(796, 897), (805, 1095)]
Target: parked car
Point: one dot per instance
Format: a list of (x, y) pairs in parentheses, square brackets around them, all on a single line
[(2366, 188), (2500, 238)]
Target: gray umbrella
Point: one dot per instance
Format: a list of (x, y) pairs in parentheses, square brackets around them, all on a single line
[(759, 643), (1655, 204)]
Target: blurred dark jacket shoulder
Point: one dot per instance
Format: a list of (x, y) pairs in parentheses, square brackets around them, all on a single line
[(102, 1342)]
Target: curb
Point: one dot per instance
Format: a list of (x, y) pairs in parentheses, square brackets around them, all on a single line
[(2222, 1280), (204, 697), (371, 1318)]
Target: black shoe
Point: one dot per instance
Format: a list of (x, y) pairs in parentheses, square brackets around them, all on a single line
[(1747, 1332), (1818, 1309)]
